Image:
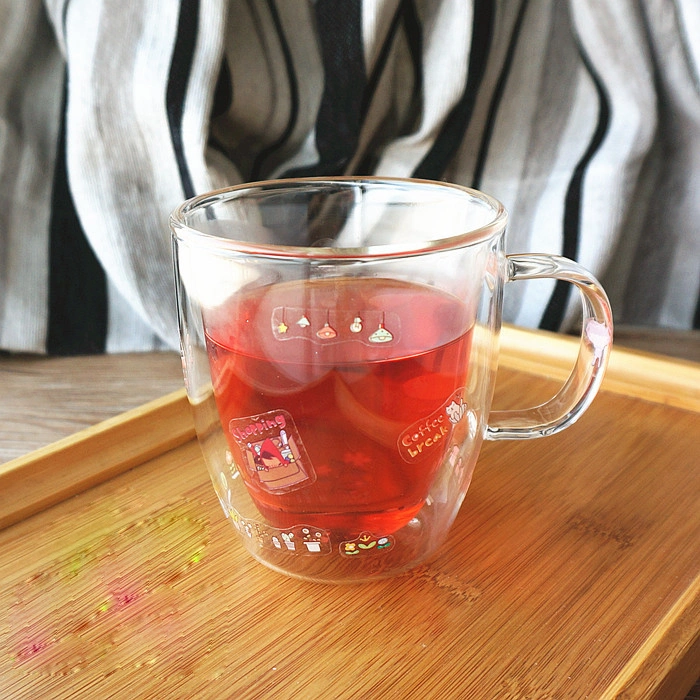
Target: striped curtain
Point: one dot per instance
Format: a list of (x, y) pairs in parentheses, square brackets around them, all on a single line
[(581, 116)]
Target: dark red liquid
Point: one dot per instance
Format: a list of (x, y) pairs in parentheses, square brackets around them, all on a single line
[(332, 395)]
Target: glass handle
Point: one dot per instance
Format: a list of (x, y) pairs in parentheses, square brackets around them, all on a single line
[(584, 381)]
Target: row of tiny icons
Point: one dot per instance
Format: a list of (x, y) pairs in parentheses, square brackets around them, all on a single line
[(380, 335)]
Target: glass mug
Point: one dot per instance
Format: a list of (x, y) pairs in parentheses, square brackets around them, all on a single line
[(340, 344)]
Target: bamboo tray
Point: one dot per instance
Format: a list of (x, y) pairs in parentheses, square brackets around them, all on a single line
[(572, 571)]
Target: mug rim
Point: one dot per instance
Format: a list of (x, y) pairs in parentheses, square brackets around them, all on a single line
[(182, 232)]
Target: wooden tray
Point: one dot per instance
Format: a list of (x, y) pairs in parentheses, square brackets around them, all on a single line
[(572, 571)]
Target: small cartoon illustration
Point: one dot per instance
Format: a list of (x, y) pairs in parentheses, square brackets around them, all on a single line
[(303, 539), (349, 549), (274, 462), (272, 451), (455, 411), (298, 540), (381, 335), (327, 332), (313, 539), (269, 456), (365, 543)]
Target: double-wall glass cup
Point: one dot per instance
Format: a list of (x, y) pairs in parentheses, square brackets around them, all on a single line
[(340, 347)]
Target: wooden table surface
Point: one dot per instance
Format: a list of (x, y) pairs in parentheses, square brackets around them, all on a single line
[(611, 588)]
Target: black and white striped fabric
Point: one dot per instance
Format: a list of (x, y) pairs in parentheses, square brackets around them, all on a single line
[(581, 116)]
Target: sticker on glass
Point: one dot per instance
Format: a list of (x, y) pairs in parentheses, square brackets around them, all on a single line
[(301, 539), (433, 432), (272, 451), (366, 543)]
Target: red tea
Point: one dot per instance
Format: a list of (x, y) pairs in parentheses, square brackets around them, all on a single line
[(338, 396)]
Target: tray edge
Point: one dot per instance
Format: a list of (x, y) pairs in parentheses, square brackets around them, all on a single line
[(64, 468)]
